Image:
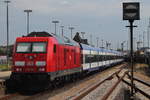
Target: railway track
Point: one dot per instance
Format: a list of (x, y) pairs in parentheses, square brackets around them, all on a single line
[(141, 86), (89, 93), (68, 91), (98, 86), (74, 89)]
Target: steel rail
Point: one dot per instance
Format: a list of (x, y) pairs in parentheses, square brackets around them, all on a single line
[(83, 94), (138, 80), (113, 87), (137, 89), (8, 96)]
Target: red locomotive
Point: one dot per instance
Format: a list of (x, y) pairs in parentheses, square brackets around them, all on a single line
[(39, 58)]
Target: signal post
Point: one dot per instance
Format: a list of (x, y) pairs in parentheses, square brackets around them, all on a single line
[(131, 12)]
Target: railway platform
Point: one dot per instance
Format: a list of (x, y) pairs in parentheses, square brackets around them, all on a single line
[(4, 74)]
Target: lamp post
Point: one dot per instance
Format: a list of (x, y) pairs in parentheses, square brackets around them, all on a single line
[(102, 43), (28, 11), (108, 45), (122, 45), (55, 22), (71, 28), (91, 39), (97, 38), (7, 21), (148, 31), (138, 44), (143, 38), (62, 30)]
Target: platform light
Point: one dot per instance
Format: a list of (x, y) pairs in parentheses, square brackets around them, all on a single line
[(7, 17), (28, 11), (55, 22), (71, 28), (62, 31)]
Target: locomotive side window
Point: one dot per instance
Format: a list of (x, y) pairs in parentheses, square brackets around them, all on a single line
[(39, 47), (23, 47)]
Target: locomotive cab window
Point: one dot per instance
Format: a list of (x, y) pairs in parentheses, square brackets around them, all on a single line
[(23, 47), (35, 47), (39, 47)]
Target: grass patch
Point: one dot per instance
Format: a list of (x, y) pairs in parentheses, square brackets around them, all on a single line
[(4, 67)]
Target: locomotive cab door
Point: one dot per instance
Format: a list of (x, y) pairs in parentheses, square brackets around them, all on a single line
[(58, 52)]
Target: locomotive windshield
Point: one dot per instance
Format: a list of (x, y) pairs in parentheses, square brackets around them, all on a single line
[(23, 47), (39, 47), (34, 47)]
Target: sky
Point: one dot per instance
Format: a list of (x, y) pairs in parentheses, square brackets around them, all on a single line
[(97, 18)]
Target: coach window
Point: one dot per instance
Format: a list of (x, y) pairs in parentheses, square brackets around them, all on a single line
[(92, 58), (106, 57), (88, 59), (110, 57), (101, 58), (97, 58)]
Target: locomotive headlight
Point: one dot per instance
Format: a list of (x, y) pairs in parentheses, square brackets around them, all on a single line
[(19, 63), (40, 63)]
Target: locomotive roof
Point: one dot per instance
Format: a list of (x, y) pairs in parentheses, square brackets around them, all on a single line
[(60, 39), (87, 47)]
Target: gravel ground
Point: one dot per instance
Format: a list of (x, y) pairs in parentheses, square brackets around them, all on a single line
[(98, 93), (146, 89), (141, 72)]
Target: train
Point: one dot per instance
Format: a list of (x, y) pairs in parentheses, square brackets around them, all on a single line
[(41, 58)]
